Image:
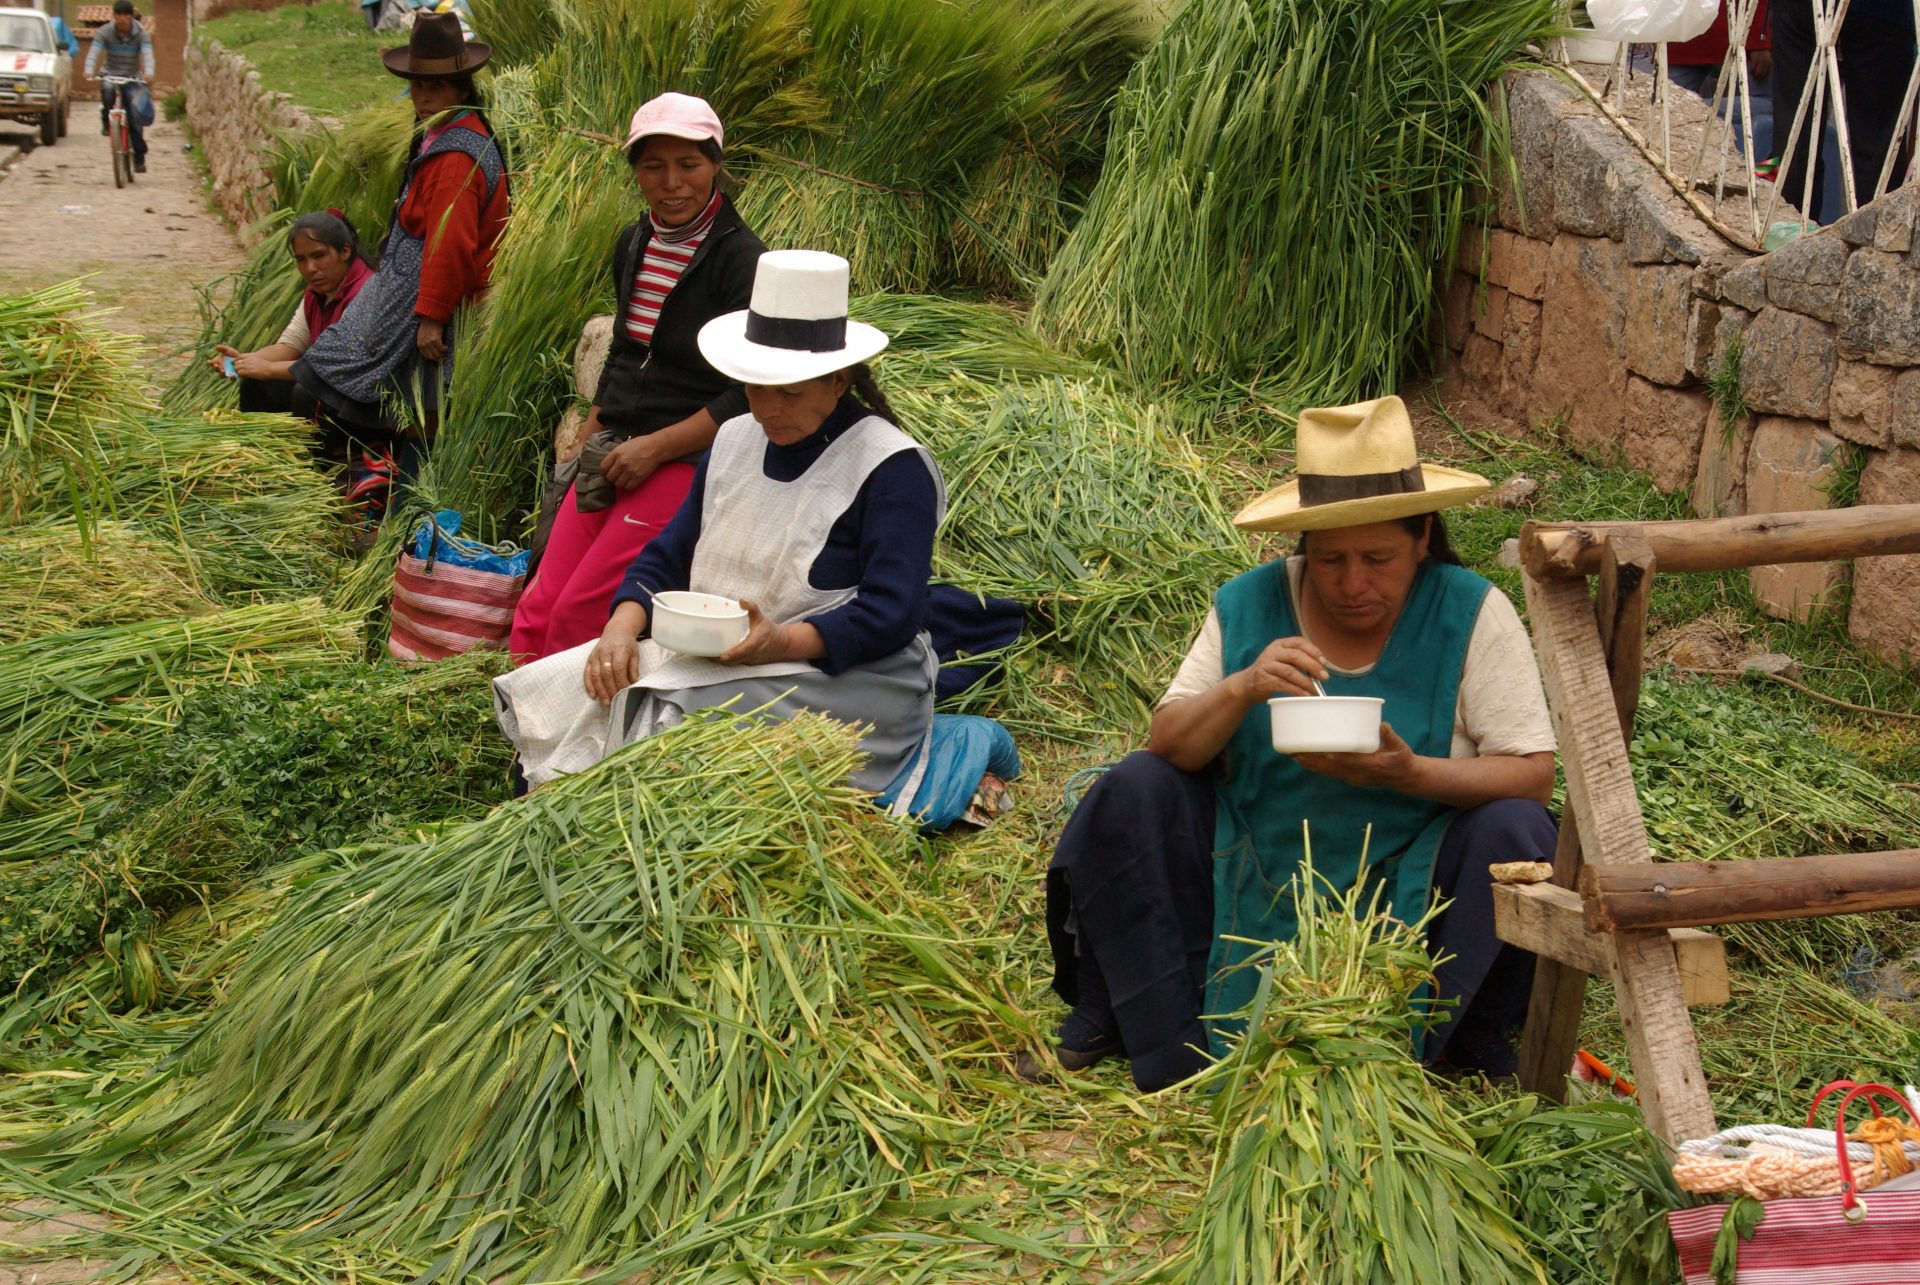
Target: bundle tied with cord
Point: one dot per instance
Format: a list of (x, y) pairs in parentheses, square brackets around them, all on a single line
[(1777, 1161)]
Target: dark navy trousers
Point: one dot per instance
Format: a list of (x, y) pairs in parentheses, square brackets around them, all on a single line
[(1131, 883)]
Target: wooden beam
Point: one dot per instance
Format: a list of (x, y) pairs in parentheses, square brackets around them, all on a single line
[(1602, 803), (1564, 550), (1559, 987), (1673, 893), (1549, 922)]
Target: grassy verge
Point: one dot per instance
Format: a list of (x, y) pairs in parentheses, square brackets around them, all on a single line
[(319, 54)]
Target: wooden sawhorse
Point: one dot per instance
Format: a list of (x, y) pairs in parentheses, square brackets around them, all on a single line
[(1611, 909)]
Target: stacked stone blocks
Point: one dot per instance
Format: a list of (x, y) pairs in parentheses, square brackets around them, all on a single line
[(1595, 299)]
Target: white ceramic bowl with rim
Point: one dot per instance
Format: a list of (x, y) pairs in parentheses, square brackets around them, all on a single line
[(697, 624), (1325, 724)]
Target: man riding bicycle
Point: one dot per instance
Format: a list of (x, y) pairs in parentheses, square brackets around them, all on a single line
[(127, 52)]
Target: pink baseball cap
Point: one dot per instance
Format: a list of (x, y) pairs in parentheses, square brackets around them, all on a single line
[(677, 116)]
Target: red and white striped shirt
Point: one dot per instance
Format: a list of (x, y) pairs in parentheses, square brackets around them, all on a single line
[(669, 251)]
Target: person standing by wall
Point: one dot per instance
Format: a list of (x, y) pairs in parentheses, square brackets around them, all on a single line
[(123, 49), (1876, 51)]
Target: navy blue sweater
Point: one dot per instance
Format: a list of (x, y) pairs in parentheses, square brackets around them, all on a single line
[(882, 544)]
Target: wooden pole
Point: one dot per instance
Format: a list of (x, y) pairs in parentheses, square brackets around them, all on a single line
[(1677, 893), (1602, 803), (1549, 921), (1561, 551), (1559, 985)]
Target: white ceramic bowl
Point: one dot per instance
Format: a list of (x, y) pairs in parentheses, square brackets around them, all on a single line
[(1325, 724), (697, 624)]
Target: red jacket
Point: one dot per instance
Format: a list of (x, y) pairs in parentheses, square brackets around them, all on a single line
[(448, 207), (1709, 48)]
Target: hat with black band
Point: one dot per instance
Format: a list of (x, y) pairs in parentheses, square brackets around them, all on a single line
[(1358, 464), (796, 326)]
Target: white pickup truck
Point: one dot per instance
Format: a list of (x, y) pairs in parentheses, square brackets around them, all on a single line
[(36, 76)]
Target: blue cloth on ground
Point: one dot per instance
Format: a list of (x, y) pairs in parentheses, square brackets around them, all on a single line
[(965, 747)]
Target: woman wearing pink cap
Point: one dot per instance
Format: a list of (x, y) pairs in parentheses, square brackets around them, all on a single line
[(689, 259)]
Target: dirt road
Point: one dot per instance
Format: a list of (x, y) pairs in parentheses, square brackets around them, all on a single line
[(151, 245)]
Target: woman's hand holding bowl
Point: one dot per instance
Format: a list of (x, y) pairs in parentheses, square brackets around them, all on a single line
[(1287, 665), (765, 641), (614, 663), (1391, 767)]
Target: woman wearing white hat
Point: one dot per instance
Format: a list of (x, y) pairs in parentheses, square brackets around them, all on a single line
[(1193, 841), (686, 260), (815, 512)]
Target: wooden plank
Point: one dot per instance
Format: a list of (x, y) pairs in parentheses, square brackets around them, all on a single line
[(1549, 921), (1674, 893), (1552, 1032), (1602, 802), (1559, 988), (1566, 550)]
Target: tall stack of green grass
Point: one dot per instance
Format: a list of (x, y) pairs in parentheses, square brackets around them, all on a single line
[(61, 378), (693, 1005), (1283, 185)]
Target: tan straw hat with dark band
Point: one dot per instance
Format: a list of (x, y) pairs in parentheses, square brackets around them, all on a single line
[(437, 47), (1358, 464)]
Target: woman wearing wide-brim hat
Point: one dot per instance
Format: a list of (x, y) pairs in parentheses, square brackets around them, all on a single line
[(393, 345), (816, 513), (1193, 840)]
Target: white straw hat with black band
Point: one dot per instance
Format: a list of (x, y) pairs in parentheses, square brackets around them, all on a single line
[(1358, 464), (796, 328)]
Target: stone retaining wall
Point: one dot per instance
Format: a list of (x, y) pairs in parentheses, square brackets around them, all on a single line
[(235, 120), (1599, 302)]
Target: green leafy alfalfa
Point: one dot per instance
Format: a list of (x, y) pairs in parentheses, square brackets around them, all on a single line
[(252, 773), (688, 1005)]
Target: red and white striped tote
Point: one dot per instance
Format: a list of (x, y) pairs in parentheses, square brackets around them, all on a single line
[(451, 595), (1849, 1239)]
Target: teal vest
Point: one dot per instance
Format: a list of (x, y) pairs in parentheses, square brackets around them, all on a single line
[(1264, 796)]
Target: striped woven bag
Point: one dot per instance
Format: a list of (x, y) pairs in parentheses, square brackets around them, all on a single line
[(452, 594), (1848, 1239)]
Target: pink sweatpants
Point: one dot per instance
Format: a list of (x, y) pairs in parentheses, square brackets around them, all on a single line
[(587, 556)]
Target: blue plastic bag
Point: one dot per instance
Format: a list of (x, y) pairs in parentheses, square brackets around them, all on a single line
[(438, 539)]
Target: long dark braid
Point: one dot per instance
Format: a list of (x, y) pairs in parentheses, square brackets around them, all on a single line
[(868, 391)]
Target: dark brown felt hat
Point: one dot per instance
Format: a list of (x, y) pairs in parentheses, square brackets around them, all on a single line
[(436, 48)]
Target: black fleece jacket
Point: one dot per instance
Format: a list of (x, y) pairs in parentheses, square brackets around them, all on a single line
[(645, 388)]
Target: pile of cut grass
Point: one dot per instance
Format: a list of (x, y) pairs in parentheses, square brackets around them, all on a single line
[(1283, 188), (691, 1006), (1336, 1157)]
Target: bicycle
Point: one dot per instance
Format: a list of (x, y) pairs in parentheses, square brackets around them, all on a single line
[(119, 140)]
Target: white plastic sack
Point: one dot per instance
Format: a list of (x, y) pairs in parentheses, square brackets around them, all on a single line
[(1651, 21)]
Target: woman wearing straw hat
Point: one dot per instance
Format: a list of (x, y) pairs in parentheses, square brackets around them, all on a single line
[(813, 511), (687, 260), (1190, 842), (393, 344)]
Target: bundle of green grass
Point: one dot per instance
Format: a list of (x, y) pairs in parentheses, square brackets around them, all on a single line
[(1283, 186), (1336, 1159), (691, 1007)]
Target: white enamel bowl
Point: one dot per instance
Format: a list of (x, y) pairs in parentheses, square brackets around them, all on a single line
[(697, 624), (1325, 724)]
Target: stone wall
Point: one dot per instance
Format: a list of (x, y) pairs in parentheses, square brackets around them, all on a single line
[(1598, 302), (235, 120)]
